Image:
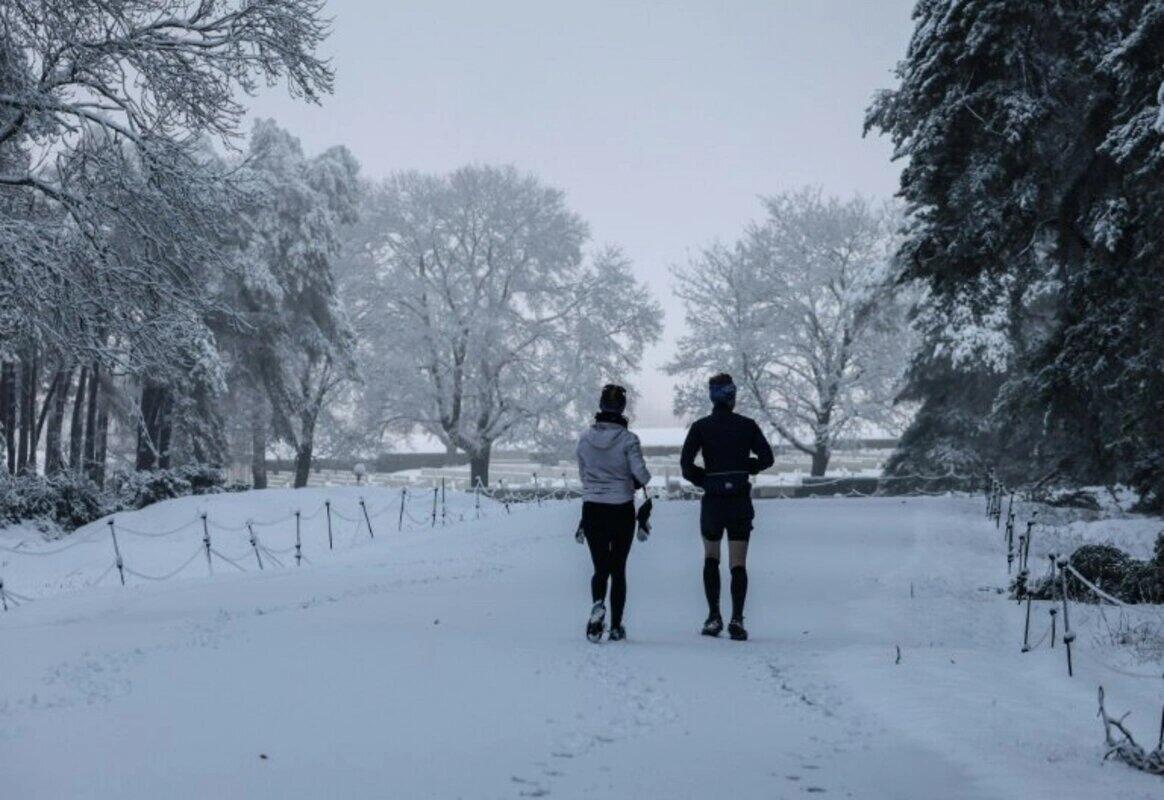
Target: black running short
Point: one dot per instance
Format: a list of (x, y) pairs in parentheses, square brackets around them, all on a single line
[(731, 514)]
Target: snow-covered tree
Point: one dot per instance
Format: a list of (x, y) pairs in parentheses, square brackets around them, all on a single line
[(1033, 184), (109, 211), (479, 317), (295, 345), (803, 313)]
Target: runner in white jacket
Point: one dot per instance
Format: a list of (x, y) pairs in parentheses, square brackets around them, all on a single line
[(611, 466)]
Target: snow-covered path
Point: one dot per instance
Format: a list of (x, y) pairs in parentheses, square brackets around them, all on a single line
[(452, 664)]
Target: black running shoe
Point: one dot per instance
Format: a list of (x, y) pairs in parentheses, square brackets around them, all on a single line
[(617, 633), (737, 631), (595, 625), (713, 626)]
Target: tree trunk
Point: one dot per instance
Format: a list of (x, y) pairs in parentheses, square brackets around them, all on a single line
[(30, 393), (303, 463), (26, 460), (54, 457), (166, 430), (147, 427), (21, 415), (101, 445), (479, 465), (259, 446), (306, 446), (156, 428), (820, 459), (822, 440), (77, 425), (8, 412), (90, 446)]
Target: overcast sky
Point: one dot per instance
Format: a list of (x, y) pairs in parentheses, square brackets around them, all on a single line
[(662, 121)]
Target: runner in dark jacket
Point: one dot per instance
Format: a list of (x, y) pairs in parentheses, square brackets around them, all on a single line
[(733, 448)]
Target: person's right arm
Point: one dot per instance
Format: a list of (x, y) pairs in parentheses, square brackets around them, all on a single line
[(691, 446)]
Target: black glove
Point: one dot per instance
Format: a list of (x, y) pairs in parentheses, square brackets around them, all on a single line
[(644, 519), (580, 534)]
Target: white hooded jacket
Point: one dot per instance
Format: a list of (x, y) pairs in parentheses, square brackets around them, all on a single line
[(610, 462)]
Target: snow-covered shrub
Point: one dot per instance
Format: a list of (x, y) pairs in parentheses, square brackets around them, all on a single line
[(1105, 566), (1073, 498), (140, 489), (205, 479), (1143, 583), (67, 499), (1126, 578)]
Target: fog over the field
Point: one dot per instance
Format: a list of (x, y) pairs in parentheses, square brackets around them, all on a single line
[(663, 122)]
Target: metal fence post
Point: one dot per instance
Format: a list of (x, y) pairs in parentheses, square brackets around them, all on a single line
[(298, 542), (255, 544), (367, 519), (117, 553), (206, 543), (1068, 634)]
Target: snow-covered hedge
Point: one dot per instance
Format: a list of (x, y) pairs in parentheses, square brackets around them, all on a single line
[(69, 500)]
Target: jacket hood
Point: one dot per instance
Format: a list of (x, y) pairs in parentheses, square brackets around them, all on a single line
[(603, 435)]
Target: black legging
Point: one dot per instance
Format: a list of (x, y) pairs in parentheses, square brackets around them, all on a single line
[(610, 530)]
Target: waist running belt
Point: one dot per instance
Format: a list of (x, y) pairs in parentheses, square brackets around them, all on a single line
[(726, 484)]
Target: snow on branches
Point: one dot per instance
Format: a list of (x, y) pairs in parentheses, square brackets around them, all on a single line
[(480, 318), (802, 311)]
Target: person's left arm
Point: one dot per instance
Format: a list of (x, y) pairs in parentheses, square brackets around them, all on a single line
[(764, 457)]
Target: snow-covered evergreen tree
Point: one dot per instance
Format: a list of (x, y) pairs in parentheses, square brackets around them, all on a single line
[(296, 345), (1033, 178)]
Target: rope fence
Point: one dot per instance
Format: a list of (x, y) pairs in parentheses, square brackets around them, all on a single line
[(1120, 742), (416, 508), (411, 511)]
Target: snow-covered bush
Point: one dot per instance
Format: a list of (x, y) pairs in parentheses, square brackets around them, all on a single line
[(1073, 498), (1105, 566), (1111, 569), (205, 479), (68, 500), (140, 489)]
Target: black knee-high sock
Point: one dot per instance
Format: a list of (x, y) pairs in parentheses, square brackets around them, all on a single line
[(617, 596), (711, 584), (739, 591)]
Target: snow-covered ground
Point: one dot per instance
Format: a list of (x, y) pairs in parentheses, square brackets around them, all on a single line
[(450, 662)]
